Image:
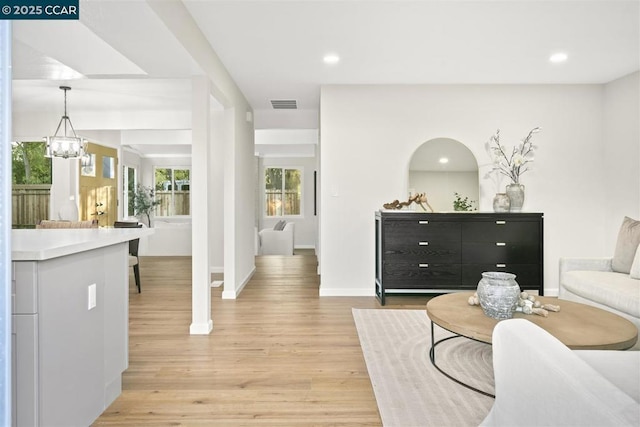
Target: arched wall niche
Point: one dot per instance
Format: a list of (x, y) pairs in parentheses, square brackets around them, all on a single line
[(442, 167)]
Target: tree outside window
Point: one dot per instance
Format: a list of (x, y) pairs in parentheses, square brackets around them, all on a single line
[(283, 191), (31, 184), (172, 189), (29, 165)]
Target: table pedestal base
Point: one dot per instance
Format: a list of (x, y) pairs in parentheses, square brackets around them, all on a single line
[(432, 357)]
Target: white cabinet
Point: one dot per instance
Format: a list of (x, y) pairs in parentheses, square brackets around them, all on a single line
[(68, 357)]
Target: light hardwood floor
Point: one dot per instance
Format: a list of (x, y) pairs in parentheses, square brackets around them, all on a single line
[(279, 355)]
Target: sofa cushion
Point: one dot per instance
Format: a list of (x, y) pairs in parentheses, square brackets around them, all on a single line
[(635, 267), (280, 225), (626, 246), (623, 371), (616, 290)]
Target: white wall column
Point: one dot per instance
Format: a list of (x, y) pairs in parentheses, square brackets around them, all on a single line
[(65, 174), (219, 137), (201, 322), (230, 290)]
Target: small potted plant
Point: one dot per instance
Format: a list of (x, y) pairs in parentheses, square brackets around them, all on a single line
[(464, 205), (144, 202)]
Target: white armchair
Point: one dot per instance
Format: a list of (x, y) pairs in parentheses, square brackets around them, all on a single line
[(277, 242), (541, 382)]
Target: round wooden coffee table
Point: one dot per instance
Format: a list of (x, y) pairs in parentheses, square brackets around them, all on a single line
[(578, 326)]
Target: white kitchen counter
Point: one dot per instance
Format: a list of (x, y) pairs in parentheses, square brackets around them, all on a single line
[(70, 314), (43, 244)]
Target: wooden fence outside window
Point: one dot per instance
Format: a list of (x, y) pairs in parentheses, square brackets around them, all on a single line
[(181, 203), (29, 204), (275, 207)]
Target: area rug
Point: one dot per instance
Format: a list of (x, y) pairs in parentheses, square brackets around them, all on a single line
[(408, 389)]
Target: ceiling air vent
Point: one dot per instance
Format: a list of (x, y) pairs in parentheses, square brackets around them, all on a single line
[(284, 104)]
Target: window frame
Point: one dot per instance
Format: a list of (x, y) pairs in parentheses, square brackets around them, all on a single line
[(125, 188), (41, 210), (264, 195), (173, 169)]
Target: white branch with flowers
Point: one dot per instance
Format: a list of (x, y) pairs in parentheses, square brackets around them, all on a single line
[(518, 161)]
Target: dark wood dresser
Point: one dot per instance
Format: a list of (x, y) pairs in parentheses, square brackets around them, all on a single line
[(445, 252)]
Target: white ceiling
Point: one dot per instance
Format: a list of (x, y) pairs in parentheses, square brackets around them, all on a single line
[(275, 49), (121, 56)]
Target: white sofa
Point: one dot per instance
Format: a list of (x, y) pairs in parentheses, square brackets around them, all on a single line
[(592, 281), (541, 382), (277, 242), (609, 283), (171, 238)]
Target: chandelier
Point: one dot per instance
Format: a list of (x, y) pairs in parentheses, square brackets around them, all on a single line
[(67, 146)]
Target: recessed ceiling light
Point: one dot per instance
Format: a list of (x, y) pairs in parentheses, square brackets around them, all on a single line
[(558, 57), (331, 59), (443, 160)]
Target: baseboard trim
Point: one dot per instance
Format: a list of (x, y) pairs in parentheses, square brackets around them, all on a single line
[(201, 328), (112, 390), (346, 292), (304, 247), (216, 269), (229, 294)]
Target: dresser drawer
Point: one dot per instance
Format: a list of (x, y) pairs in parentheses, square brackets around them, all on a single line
[(527, 275), (501, 231), (407, 232), (500, 252), (405, 275), (424, 251)]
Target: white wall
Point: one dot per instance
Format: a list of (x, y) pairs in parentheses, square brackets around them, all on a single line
[(306, 224), (621, 154), (131, 159), (64, 185), (370, 132), (286, 119)]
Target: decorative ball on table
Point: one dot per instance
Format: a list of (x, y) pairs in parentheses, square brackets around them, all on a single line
[(529, 305)]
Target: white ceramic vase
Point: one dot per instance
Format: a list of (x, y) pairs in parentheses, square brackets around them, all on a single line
[(515, 192), (501, 203), (498, 294)]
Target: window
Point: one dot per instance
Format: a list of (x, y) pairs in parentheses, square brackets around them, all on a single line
[(283, 191), (172, 191), (29, 165), (129, 181), (89, 168), (108, 167), (31, 184)]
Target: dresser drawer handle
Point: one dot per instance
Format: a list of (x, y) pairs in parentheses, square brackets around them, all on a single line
[(423, 265), (501, 222), (501, 244), (423, 243), (423, 222), (501, 265)]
